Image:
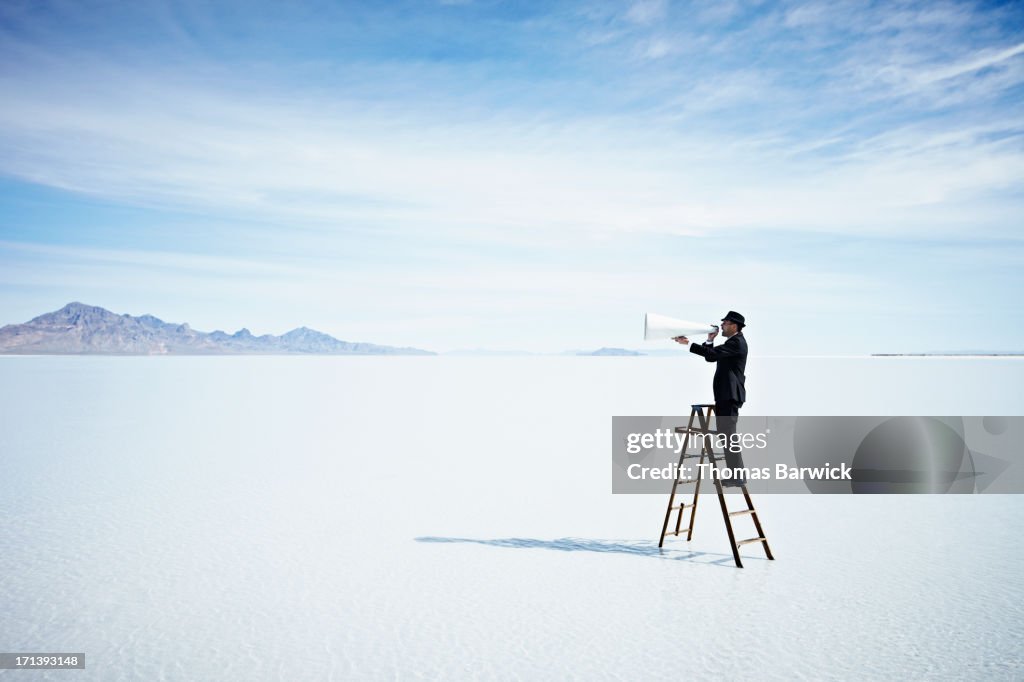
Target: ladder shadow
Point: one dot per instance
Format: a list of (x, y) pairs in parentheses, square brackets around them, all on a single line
[(633, 547)]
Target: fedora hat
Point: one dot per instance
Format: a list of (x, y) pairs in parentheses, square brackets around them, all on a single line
[(733, 316)]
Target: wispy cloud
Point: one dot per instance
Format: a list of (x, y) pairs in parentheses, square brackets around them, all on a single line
[(984, 59), (646, 11), (316, 160)]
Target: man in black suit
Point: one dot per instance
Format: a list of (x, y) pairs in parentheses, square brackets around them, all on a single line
[(730, 392)]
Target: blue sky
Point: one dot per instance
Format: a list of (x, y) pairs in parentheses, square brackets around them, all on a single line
[(520, 175)]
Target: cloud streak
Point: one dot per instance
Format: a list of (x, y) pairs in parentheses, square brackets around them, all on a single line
[(311, 160)]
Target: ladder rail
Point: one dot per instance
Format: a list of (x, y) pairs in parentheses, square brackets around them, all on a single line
[(757, 524), (672, 496), (703, 455)]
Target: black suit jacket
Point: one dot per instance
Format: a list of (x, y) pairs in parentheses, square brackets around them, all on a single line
[(731, 357)]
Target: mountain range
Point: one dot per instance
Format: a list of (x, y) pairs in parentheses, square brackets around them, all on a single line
[(78, 329)]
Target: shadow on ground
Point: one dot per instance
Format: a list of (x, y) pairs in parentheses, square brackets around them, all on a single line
[(636, 548)]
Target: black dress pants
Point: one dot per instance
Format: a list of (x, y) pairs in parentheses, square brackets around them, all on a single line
[(727, 413)]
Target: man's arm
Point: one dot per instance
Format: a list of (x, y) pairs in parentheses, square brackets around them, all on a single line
[(711, 337), (731, 348)]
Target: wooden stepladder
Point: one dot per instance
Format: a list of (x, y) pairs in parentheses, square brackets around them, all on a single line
[(702, 414)]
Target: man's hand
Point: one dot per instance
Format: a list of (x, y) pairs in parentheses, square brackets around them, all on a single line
[(681, 339), (712, 335)]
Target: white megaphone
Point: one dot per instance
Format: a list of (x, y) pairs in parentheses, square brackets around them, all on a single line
[(661, 327)]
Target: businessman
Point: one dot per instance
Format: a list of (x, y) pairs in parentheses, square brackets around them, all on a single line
[(730, 392)]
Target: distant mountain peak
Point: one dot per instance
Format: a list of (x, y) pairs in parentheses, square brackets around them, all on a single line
[(304, 332), (75, 312), (612, 352), (76, 308)]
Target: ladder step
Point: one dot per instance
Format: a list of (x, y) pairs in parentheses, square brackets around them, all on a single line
[(686, 429), (681, 506), (686, 480), (678, 532), (747, 542), (741, 512)]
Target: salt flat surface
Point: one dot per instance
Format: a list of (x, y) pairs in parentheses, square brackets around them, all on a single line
[(402, 518)]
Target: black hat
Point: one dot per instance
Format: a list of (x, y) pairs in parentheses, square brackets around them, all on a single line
[(733, 316)]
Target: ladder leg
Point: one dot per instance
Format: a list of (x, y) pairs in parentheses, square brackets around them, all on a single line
[(705, 452), (668, 513), (757, 524), (672, 496), (679, 473), (728, 523), (696, 496)]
